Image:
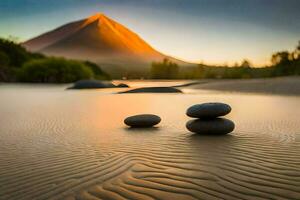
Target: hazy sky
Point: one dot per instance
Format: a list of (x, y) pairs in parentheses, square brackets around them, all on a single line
[(209, 31)]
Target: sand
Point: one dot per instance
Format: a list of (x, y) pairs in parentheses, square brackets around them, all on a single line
[(63, 144), (282, 85)]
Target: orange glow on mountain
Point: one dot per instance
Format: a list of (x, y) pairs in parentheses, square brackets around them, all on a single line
[(100, 40), (119, 37)]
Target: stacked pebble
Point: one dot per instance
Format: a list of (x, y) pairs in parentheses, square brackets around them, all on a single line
[(208, 119)]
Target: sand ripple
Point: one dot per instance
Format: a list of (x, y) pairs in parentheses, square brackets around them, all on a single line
[(71, 150)]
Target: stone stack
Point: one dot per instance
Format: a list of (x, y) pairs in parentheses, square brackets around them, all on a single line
[(208, 119)]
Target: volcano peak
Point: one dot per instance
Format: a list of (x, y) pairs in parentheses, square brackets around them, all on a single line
[(101, 40), (100, 17), (97, 16)]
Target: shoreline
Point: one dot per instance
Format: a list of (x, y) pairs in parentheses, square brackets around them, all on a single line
[(278, 85)]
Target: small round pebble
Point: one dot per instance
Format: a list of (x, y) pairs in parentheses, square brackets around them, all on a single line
[(208, 110), (218, 126), (142, 121)]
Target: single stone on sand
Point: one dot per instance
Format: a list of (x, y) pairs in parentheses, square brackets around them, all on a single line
[(122, 85), (153, 90), (142, 121), (208, 110), (217, 126)]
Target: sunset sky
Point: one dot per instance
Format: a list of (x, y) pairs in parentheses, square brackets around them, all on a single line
[(209, 31)]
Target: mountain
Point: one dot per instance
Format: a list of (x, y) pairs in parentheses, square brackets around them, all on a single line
[(102, 40)]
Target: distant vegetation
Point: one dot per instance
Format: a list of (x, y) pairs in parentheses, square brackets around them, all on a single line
[(164, 70), (17, 64), (53, 70), (283, 64), (98, 73)]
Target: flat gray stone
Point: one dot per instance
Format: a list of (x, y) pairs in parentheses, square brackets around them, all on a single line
[(91, 84), (208, 110), (217, 126), (142, 121)]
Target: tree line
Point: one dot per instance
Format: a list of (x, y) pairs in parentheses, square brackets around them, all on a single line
[(19, 65), (284, 63)]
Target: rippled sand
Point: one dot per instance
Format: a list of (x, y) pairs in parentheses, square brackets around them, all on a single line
[(57, 144)]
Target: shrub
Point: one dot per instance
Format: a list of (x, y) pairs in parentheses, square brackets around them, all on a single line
[(54, 70), (99, 74), (16, 54)]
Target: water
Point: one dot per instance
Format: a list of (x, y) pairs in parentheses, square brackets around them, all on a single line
[(57, 143)]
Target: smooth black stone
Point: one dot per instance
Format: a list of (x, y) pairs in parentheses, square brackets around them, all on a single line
[(91, 84), (208, 110), (217, 126), (142, 121), (154, 90)]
